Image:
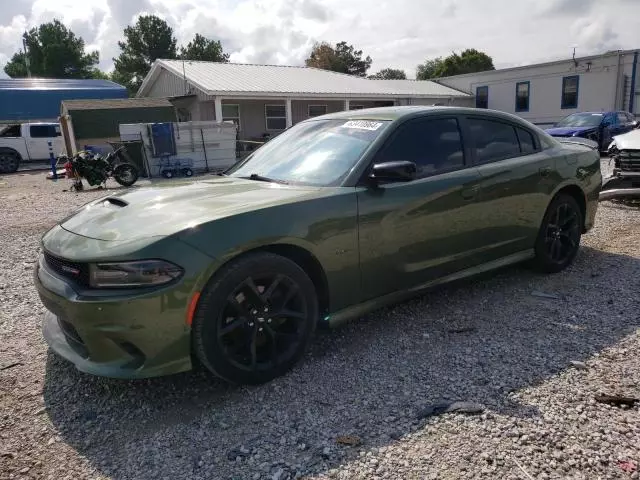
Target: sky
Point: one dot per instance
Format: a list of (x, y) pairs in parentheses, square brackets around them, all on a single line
[(399, 34)]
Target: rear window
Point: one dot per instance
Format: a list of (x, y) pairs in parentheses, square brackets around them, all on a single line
[(493, 140)]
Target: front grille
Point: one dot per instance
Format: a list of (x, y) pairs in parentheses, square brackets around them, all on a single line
[(629, 161), (77, 272)]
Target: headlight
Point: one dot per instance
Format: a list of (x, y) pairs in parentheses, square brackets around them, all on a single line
[(143, 273)]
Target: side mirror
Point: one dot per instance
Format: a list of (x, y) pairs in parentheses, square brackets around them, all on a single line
[(398, 171)]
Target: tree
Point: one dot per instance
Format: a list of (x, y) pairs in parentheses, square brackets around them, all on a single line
[(429, 69), (389, 74), (149, 39), (201, 48), (342, 58), (469, 61), (53, 51)]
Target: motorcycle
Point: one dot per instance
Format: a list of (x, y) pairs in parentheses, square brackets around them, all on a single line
[(96, 169)]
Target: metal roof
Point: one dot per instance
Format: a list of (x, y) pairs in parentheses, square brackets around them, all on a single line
[(116, 103), (56, 84), (248, 79)]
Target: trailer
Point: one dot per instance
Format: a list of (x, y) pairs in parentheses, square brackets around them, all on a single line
[(183, 147)]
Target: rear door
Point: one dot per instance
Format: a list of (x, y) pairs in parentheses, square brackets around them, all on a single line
[(39, 137), (517, 177), (413, 232)]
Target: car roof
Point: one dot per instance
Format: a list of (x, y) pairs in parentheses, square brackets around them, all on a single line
[(402, 112)]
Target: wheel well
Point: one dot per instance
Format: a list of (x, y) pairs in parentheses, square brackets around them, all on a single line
[(305, 260), (577, 194), (11, 150)]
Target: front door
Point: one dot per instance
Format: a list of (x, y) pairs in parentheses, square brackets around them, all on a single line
[(413, 232)]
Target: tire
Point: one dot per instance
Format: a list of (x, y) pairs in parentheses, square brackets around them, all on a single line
[(125, 174), (187, 172), (167, 173), (556, 248), (9, 161), (245, 340)]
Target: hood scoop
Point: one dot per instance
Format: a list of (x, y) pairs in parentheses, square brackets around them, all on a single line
[(114, 202)]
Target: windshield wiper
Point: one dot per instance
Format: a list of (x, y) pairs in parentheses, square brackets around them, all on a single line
[(260, 178)]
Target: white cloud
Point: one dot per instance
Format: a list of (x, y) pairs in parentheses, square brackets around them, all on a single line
[(397, 34)]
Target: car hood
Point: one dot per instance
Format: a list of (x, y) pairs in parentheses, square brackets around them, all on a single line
[(567, 131), (628, 141), (170, 208)]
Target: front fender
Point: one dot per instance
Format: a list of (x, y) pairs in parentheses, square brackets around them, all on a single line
[(324, 227)]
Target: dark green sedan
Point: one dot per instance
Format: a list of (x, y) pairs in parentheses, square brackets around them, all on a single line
[(335, 217)]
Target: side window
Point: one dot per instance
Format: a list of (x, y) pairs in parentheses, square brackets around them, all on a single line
[(482, 97), (527, 145), (622, 118), (434, 145), (44, 131), (11, 131), (493, 140)]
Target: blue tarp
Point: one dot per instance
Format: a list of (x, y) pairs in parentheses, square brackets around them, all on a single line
[(23, 99)]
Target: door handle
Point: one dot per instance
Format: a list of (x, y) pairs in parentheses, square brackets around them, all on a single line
[(469, 193), (545, 171)]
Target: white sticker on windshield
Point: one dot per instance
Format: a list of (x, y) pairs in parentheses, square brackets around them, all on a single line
[(363, 124)]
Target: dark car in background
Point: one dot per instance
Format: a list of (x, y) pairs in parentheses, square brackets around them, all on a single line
[(600, 127)]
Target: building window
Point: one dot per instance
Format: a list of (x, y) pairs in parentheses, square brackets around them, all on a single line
[(570, 91), (276, 117), (356, 107), (317, 110), (231, 113), (482, 97), (522, 96)]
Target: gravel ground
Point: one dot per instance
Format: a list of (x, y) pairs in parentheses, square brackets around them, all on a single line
[(532, 350)]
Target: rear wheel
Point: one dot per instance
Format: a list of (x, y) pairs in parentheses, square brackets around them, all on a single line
[(559, 237), (9, 162), (255, 319), (125, 174)]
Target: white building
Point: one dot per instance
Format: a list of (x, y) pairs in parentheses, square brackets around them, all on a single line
[(546, 92), (266, 99)]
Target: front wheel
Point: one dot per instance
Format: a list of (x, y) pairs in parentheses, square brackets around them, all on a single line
[(559, 237), (125, 174), (9, 162), (255, 319)]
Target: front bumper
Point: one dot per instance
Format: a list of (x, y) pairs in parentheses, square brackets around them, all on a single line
[(129, 334)]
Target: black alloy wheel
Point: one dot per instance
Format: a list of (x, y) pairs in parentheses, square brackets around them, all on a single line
[(563, 234), (559, 237), (255, 319)]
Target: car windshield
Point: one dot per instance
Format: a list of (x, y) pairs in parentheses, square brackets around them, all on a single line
[(581, 120), (318, 152)]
